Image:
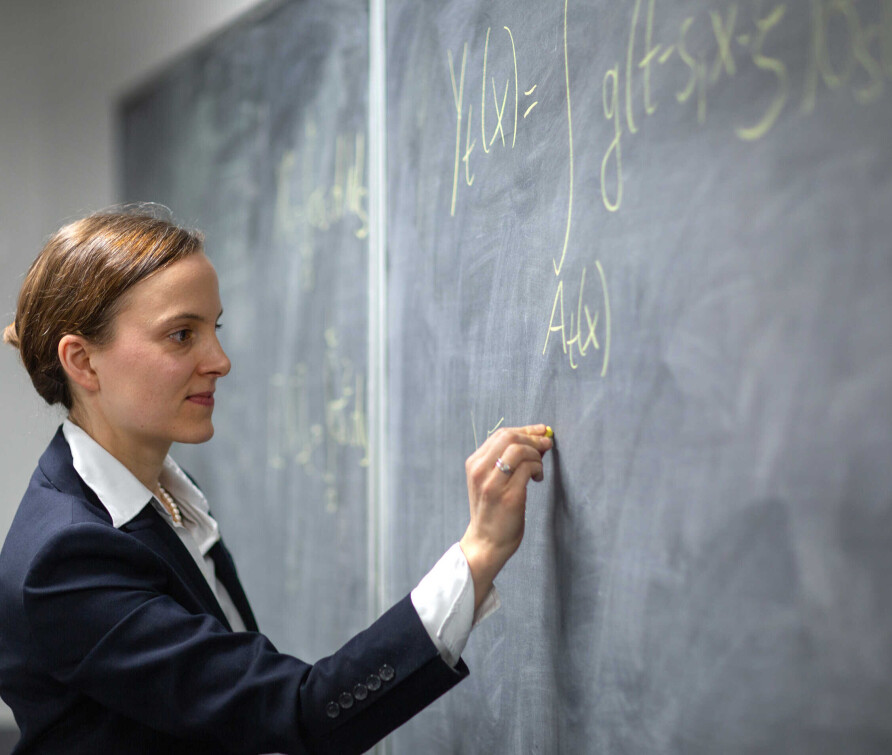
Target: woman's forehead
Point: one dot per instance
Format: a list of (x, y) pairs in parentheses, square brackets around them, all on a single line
[(188, 286)]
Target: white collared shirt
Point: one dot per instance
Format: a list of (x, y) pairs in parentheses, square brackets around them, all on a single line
[(444, 599)]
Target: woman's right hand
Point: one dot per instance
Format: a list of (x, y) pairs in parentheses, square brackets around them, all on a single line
[(498, 499)]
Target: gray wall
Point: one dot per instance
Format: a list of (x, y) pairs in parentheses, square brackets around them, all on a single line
[(63, 63)]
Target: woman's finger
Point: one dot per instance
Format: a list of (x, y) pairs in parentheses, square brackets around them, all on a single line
[(527, 470), (498, 442), (513, 456)]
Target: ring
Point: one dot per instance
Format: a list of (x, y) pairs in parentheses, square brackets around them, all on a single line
[(503, 467)]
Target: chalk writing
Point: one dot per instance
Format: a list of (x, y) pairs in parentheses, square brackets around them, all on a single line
[(612, 163), (866, 51), (305, 204), (559, 265), (313, 414), (749, 39), (488, 432), (495, 113), (577, 337), (849, 47), (577, 331)]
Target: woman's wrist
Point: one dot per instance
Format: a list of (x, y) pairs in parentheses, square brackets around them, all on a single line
[(484, 564)]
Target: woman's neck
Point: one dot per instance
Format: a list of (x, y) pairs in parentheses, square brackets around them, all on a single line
[(143, 459)]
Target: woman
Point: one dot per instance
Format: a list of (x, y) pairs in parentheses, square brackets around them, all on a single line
[(123, 625)]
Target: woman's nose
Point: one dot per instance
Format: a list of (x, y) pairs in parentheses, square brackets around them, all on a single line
[(217, 363)]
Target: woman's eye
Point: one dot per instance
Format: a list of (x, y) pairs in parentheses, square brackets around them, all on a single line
[(181, 336)]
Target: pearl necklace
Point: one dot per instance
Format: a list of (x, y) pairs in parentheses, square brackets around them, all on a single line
[(171, 505)]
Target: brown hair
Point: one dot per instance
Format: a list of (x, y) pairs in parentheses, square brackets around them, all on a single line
[(76, 283)]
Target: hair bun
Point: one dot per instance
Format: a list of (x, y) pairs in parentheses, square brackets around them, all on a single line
[(11, 336)]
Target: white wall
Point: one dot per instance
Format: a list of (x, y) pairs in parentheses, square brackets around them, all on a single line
[(63, 63)]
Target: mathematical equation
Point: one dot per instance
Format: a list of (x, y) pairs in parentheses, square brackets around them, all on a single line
[(496, 106), (579, 332), (788, 53), (849, 46), (578, 338), (299, 436), (305, 204)]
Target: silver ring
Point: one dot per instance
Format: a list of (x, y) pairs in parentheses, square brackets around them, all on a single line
[(503, 467)]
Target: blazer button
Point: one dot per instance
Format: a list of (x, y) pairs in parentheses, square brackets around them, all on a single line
[(386, 673), (332, 710), (373, 682), (360, 692), (345, 700)]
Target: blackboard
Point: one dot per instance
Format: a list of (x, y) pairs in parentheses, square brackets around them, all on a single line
[(661, 228)]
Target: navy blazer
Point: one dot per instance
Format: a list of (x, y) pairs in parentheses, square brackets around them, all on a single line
[(111, 641)]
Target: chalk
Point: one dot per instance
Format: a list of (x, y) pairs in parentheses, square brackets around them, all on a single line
[(549, 433)]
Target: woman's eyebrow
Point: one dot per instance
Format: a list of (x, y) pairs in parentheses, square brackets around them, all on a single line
[(187, 316), (182, 316)]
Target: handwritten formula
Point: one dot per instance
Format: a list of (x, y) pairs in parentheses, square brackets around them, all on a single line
[(309, 433), (788, 54), (506, 100), (306, 205), (849, 48)]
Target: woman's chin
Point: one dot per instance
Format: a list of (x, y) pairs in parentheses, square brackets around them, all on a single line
[(197, 434)]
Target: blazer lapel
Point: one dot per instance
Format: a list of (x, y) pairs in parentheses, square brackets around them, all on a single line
[(225, 568), (150, 529)]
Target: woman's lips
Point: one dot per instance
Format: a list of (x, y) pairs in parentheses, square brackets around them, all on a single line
[(203, 399)]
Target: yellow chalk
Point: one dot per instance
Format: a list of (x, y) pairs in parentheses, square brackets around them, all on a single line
[(549, 433)]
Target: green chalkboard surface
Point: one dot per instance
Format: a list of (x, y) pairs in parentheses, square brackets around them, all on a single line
[(662, 228)]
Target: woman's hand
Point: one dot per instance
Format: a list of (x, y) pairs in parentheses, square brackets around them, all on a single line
[(498, 473)]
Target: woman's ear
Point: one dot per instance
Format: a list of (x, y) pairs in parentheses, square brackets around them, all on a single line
[(74, 355)]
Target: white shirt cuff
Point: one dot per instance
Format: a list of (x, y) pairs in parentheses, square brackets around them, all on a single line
[(444, 601)]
